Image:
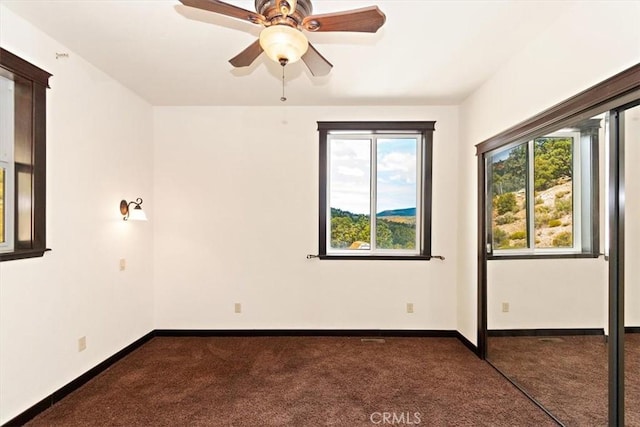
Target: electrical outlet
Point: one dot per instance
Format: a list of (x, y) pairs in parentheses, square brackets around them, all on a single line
[(82, 344), (123, 264), (238, 308), (505, 307), (409, 307)]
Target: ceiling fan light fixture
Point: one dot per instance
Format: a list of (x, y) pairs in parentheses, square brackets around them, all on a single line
[(282, 42), (288, 7)]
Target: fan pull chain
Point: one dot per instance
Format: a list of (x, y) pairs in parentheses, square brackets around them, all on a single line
[(283, 98)]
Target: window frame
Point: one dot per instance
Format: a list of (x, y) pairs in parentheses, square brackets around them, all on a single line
[(586, 229), (7, 166), (425, 129), (35, 81), (582, 122)]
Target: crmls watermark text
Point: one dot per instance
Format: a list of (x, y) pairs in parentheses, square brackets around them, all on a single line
[(396, 418)]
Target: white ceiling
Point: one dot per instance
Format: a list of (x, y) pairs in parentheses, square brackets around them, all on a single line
[(428, 52)]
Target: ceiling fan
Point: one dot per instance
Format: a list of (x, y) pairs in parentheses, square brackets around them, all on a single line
[(282, 38)]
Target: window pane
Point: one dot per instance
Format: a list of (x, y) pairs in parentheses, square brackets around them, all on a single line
[(24, 192), (2, 205), (349, 194), (553, 181), (396, 193), (23, 121), (508, 178)]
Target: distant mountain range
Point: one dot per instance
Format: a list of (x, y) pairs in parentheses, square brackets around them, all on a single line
[(398, 212)]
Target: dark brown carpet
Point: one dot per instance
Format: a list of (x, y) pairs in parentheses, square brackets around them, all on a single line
[(569, 375), (296, 381)]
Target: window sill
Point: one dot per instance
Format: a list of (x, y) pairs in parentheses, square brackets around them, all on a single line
[(567, 255), (22, 254), (378, 257)]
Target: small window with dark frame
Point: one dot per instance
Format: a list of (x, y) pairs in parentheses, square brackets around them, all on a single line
[(375, 189), (543, 193), (22, 158)]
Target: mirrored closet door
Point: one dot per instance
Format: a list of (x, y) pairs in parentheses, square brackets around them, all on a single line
[(630, 132), (546, 283), (559, 255)]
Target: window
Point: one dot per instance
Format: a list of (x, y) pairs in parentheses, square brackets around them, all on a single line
[(375, 190), (22, 158), (542, 193), (6, 164)]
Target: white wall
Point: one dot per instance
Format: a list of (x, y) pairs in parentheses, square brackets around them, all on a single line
[(592, 42), (99, 138), (238, 189), (560, 293)]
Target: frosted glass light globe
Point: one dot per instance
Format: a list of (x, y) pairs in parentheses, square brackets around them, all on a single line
[(283, 42), (137, 214)]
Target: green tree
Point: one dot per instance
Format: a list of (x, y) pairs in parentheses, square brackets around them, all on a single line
[(404, 235), (343, 232), (553, 160), (506, 203), (384, 238), (510, 174), (347, 227), (363, 229)]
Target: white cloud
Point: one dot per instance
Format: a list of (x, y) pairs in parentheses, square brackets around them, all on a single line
[(350, 150), (397, 166), (350, 175), (347, 171)]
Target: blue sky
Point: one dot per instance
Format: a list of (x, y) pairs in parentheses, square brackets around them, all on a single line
[(350, 174)]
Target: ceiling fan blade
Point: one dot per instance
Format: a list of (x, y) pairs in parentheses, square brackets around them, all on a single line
[(247, 56), (365, 20), (316, 63), (225, 9)]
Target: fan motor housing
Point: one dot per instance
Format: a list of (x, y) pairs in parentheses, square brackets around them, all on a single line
[(269, 9)]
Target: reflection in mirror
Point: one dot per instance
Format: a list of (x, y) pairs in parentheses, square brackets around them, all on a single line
[(542, 193), (632, 266), (546, 316)]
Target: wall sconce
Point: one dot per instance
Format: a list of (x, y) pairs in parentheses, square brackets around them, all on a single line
[(135, 214)]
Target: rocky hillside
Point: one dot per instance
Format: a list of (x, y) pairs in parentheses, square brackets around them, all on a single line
[(553, 218)]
